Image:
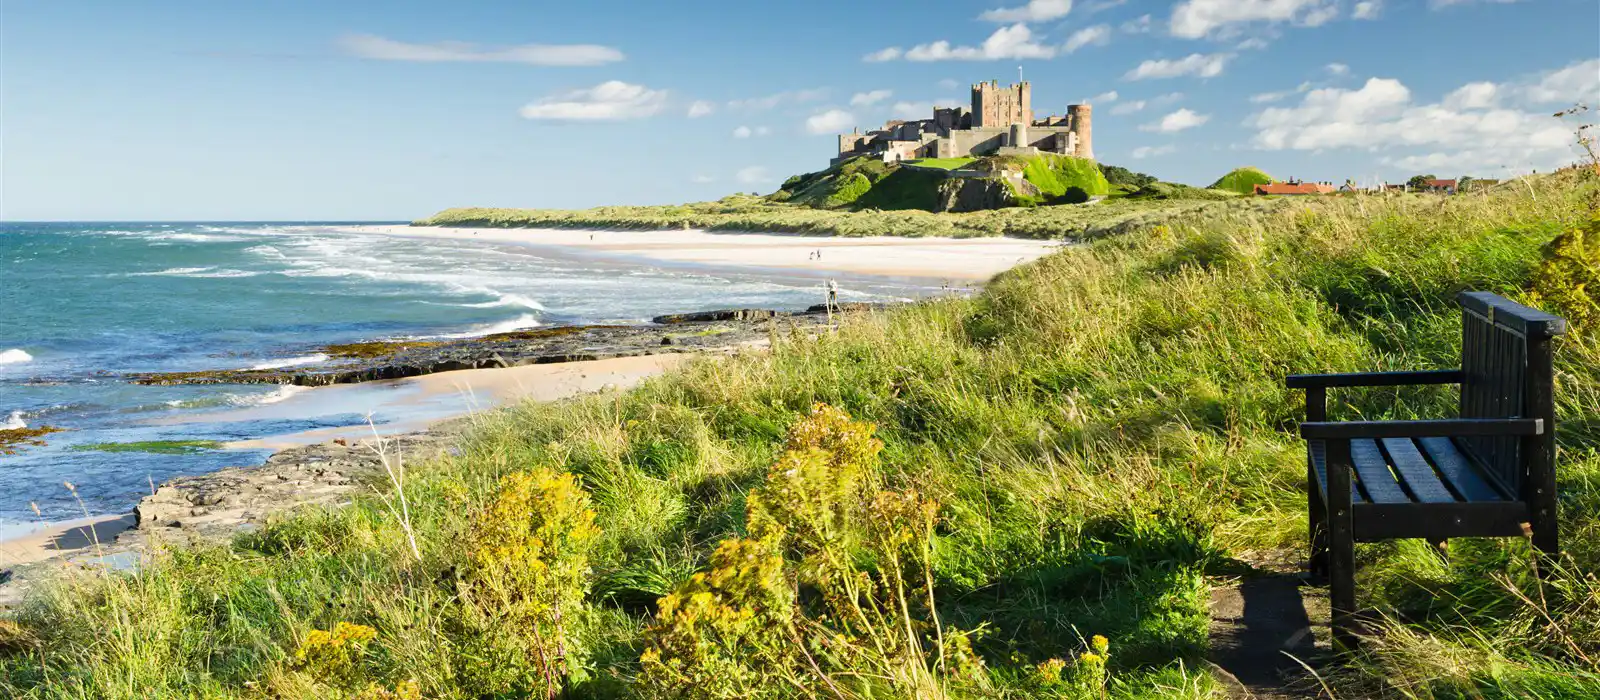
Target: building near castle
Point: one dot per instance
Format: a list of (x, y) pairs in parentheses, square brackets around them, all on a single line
[(1000, 122)]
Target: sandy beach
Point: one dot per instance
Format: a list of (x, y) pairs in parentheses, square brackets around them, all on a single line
[(414, 403), (957, 260)]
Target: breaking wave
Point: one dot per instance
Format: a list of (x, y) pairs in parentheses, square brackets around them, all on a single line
[(293, 361), (14, 356), (516, 324)]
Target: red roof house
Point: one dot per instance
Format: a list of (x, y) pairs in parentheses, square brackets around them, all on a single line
[(1295, 188)]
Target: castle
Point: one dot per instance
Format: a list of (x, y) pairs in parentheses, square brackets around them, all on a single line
[(1000, 122)]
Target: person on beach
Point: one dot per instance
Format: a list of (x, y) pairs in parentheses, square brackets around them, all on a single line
[(833, 295)]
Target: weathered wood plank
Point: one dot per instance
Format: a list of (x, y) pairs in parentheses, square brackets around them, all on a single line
[(1319, 462), (1457, 470), (1424, 485), (1376, 479)]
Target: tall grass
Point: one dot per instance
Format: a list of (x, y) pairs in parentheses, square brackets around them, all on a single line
[(1099, 429), (886, 214)]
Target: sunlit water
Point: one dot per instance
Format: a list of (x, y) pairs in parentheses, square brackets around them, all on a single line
[(83, 304)]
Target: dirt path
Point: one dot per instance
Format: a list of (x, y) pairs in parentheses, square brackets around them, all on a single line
[(1260, 624)]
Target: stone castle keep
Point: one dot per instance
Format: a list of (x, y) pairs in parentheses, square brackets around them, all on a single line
[(1000, 122)]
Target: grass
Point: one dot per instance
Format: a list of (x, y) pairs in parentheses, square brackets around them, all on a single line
[(884, 214), (943, 163), (1101, 431)]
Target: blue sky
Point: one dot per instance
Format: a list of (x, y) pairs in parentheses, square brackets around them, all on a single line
[(392, 110)]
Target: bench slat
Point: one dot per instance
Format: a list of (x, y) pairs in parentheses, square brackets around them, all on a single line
[(1319, 461), (1419, 476), (1376, 479), (1458, 471)]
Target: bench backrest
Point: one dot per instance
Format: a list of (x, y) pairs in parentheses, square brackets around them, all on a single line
[(1506, 363)]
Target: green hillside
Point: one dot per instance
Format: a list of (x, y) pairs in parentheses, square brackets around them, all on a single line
[(1028, 493), (1243, 180)]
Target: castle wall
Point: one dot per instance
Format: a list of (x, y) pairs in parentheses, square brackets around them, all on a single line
[(993, 105)]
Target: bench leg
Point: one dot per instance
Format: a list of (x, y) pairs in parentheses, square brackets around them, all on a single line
[(1318, 524), (1342, 583), (1341, 547)]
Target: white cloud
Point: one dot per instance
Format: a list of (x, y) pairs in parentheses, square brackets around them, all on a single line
[(1133, 106), (771, 101), (1466, 130), (1338, 69), (753, 175), (701, 108), (1130, 107), (1201, 65), (1138, 25), (1108, 96), (742, 132), (1153, 151), (1367, 9), (1579, 82), (832, 121), (1193, 19), (1097, 35), (1103, 5), (1034, 11), (702, 179), (1472, 96), (377, 47), (1177, 121), (1269, 97), (948, 84), (1013, 42), (612, 100), (870, 98), (1254, 43), (887, 54)]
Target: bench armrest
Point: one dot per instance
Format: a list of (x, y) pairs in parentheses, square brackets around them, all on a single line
[(1457, 427), (1432, 376)]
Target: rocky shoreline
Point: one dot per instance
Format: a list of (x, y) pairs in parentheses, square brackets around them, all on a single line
[(216, 506), (397, 359)]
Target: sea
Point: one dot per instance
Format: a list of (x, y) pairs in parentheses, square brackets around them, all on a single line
[(82, 305)]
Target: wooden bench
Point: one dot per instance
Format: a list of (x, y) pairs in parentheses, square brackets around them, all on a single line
[(1488, 473)]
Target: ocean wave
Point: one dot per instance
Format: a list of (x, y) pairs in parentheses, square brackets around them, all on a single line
[(506, 300), (191, 237), (516, 324), (14, 356), (197, 272), (15, 422), (282, 392), (293, 361)]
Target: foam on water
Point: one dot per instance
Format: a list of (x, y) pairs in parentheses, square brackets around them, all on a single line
[(15, 356), (293, 361), (522, 322), (15, 422)]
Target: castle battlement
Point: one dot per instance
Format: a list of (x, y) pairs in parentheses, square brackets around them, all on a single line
[(999, 122)]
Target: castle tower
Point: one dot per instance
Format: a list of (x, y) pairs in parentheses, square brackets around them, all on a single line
[(993, 105), (1082, 127)]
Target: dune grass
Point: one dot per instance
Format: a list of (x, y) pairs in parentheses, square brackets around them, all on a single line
[(1099, 433)]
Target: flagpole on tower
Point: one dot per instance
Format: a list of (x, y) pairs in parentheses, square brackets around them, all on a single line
[(1019, 74)]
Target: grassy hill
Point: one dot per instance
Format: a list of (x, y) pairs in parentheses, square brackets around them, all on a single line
[(1242, 181), (1026, 494), (863, 197)]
